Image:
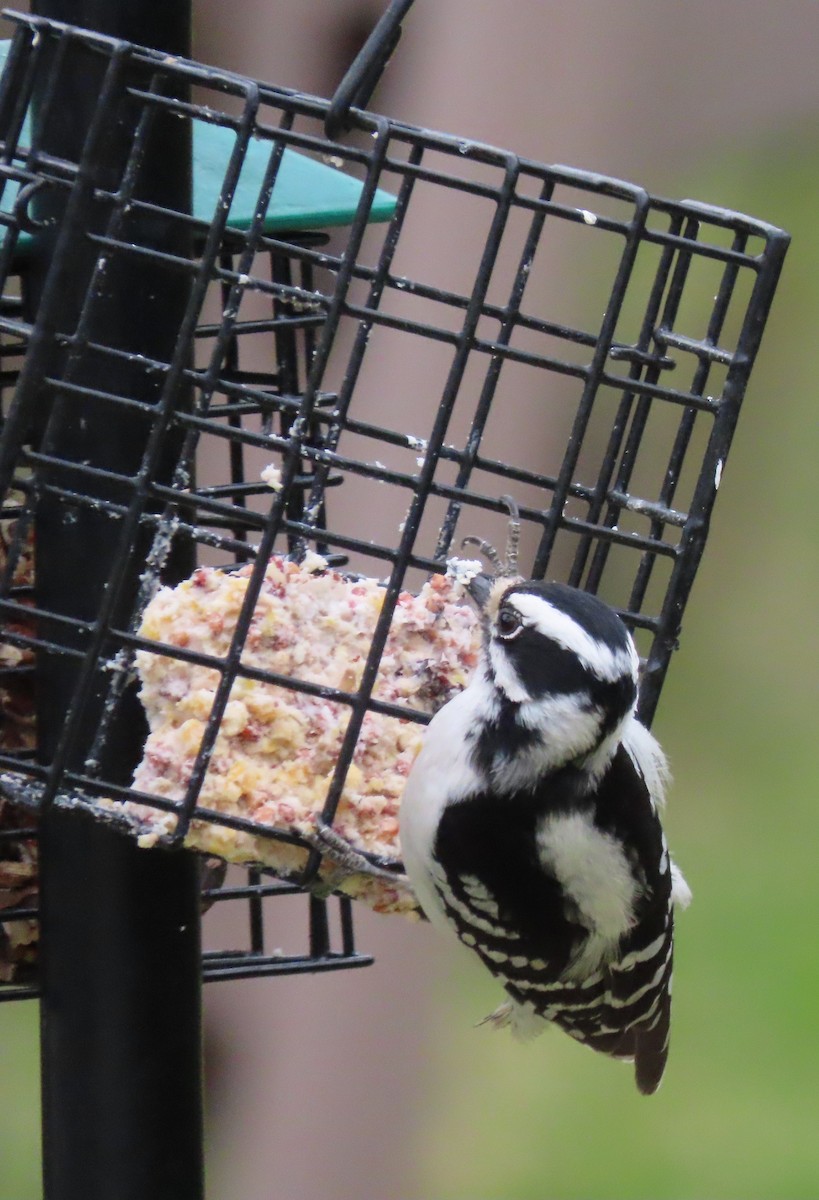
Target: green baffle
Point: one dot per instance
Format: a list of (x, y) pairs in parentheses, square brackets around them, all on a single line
[(308, 194)]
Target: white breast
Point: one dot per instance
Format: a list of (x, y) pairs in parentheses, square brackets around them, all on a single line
[(441, 774)]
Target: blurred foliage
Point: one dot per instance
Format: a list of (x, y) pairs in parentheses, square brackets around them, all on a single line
[(737, 1114), (736, 1118)]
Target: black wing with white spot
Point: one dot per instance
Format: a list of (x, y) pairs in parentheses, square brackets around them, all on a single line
[(522, 920), (639, 979)]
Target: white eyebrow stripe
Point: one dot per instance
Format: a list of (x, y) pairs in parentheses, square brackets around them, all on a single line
[(607, 664)]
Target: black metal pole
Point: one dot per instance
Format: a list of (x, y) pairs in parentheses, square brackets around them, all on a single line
[(121, 994)]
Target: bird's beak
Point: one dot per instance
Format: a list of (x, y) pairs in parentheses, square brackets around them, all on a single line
[(479, 588)]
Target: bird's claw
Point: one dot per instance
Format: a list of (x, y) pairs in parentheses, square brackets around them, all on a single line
[(344, 860)]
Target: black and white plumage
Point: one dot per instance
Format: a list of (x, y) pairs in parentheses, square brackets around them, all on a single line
[(530, 826)]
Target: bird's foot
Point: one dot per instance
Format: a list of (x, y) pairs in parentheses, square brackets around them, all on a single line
[(345, 861)]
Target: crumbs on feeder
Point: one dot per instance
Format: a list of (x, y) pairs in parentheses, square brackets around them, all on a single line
[(276, 747), (272, 476)]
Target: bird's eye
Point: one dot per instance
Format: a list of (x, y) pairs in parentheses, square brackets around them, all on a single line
[(508, 623)]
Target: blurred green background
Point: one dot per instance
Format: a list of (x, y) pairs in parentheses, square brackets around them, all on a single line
[(737, 1117)]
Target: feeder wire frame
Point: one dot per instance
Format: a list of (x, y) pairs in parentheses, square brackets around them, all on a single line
[(644, 387)]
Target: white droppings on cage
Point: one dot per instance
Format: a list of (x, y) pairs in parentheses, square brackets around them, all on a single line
[(463, 570), (118, 663), (312, 512), (276, 748), (589, 217), (158, 554), (272, 476), (718, 474)]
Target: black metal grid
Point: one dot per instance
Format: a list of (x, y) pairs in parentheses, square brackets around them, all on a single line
[(631, 387)]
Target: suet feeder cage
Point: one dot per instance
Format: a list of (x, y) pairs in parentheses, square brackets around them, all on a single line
[(203, 276)]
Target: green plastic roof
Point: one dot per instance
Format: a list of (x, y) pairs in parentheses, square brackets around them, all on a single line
[(308, 194)]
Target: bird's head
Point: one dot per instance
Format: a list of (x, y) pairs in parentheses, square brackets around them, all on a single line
[(547, 640), (563, 669), (561, 666)]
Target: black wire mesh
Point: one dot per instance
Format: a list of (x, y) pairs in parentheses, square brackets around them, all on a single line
[(628, 387)]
